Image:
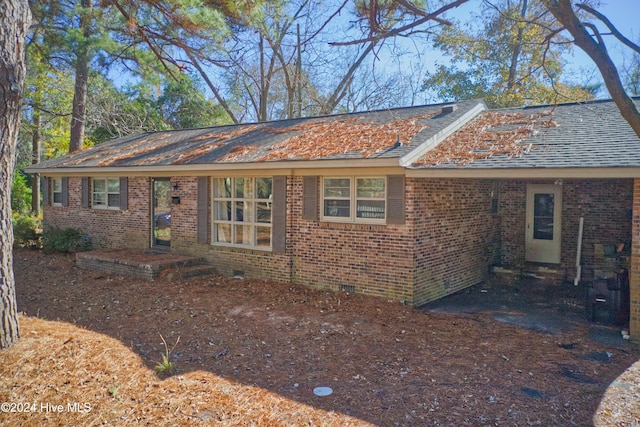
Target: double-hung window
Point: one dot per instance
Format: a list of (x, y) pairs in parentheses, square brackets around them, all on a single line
[(105, 193), (354, 199), (242, 211), (56, 191)]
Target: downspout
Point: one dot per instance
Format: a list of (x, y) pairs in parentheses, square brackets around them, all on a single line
[(579, 253)]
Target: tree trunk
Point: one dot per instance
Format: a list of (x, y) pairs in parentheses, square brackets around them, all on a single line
[(79, 109), (15, 17), (517, 48), (35, 158), (341, 89)]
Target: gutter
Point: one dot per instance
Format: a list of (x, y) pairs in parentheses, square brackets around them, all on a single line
[(204, 169), (527, 173)]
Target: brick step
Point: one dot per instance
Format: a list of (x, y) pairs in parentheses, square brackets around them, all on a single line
[(148, 264), (197, 270)]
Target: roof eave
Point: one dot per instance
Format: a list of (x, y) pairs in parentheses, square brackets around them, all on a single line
[(201, 169), (527, 173)]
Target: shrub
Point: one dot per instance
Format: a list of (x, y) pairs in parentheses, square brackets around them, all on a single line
[(65, 240), (27, 231), (20, 194)]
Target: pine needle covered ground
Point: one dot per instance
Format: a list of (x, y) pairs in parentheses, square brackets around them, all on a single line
[(251, 353)]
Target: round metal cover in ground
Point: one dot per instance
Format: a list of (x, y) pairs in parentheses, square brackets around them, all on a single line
[(322, 391)]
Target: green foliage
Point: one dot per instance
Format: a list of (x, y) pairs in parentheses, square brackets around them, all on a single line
[(502, 58), (27, 231), (184, 106), (65, 240), (113, 391), (166, 366), (20, 194)]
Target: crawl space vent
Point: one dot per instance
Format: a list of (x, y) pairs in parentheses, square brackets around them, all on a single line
[(348, 288)]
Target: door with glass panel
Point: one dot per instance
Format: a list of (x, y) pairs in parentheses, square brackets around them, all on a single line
[(544, 219), (161, 212)]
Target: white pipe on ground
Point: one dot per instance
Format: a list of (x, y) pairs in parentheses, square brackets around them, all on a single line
[(579, 253)]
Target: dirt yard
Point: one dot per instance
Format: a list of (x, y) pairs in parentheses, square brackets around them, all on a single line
[(387, 364)]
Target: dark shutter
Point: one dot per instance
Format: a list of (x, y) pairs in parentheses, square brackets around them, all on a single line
[(203, 209), (46, 201), (124, 193), (310, 197), (65, 191), (85, 192), (279, 212), (395, 199)]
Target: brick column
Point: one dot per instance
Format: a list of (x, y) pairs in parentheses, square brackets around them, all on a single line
[(634, 274)]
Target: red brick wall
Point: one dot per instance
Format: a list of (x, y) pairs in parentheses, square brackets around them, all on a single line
[(254, 264), (128, 228), (455, 235), (604, 204), (375, 259), (446, 219)]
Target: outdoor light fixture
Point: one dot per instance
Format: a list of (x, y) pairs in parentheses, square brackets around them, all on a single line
[(174, 184)]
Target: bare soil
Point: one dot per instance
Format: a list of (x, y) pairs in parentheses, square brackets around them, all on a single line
[(387, 364)]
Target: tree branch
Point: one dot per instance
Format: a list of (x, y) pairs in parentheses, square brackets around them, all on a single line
[(396, 32), (597, 51), (610, 26)]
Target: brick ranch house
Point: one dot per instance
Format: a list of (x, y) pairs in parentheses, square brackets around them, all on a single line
[(408, 204)]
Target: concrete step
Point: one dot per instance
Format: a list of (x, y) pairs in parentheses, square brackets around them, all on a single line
[(544, 273)]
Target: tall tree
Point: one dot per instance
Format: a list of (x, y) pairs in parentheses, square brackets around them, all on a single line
[(588, 38), (14, 22), (83, 58), (276, 64), (577, 19), (502, 56)]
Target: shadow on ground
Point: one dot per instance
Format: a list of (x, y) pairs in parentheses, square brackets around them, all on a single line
[(487, 356), (531, 304)]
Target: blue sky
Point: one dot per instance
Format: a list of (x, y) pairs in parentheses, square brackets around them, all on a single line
[(624, 15)]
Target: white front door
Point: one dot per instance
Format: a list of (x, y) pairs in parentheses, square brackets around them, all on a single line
[(544, 219)]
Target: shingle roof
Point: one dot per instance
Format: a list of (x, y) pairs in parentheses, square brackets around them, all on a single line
[(348, 136), (577, 135)]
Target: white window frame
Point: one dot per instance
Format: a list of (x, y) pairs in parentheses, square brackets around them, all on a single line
[(56, 188), (253, 223), (353, 201), (105, 193)]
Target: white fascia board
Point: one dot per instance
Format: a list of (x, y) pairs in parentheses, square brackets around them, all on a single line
[(526, 173), (415, 154), (204, 169)]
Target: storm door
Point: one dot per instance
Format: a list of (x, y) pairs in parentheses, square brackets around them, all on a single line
[(161, 212), (544, 219)]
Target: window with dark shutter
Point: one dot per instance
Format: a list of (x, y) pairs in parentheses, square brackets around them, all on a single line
[(310, 197), (395, 199), (279, 225), (65, 191), (124, 193), (46, 200), (85, 192), (203, 209)]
